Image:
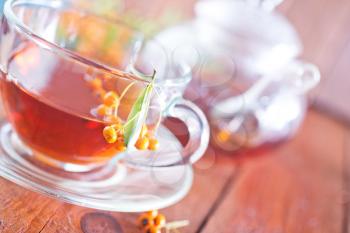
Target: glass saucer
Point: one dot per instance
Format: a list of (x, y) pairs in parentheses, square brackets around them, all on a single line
[(114, 187)]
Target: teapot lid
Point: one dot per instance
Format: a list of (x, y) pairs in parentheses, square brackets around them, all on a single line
[(263, 40)]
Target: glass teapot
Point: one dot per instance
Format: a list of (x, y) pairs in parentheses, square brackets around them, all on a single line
[(248, 77)]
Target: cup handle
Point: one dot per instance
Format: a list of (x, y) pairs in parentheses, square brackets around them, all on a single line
[(198, 129)]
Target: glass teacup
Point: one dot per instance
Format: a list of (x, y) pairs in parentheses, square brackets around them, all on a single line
[(62, 83)]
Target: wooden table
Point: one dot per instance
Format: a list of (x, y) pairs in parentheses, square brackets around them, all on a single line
[(300, 186)]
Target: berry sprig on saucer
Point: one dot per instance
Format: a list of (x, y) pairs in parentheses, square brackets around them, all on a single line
[(155, 222)]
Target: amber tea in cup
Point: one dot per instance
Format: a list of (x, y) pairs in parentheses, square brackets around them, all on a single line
[(69, 130)]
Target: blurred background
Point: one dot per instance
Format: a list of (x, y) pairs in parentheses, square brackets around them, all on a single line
[(321, 25)]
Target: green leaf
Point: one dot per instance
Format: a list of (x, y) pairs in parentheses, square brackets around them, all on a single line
[(137, 115)]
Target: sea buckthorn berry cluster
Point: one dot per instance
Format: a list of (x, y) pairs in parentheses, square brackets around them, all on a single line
[(154, 222), (151, 222), (108, 110), (96, 84), (113, 134), (142, 143), (146, 140)]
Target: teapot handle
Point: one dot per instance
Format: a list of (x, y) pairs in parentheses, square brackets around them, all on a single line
[(306, 78)]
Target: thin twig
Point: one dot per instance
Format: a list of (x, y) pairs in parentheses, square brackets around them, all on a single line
[(121, 97), (126, 90), (177, 224)]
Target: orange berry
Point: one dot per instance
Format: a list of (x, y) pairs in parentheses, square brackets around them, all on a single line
[(144, 131), (110, 98), (223, 135), (112, 119), (142, 143), (90, 70), (153, 144), (152, 213), (160, 220), (152, 229), (144, 221), (120, 145), (103, 110), (110, 134), (96, 83), (121, 148)]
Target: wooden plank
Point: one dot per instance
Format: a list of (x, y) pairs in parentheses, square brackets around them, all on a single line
[(25, 211), (21, 210), (346, 184), (295, 188), (213, 175), (180, 211)]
